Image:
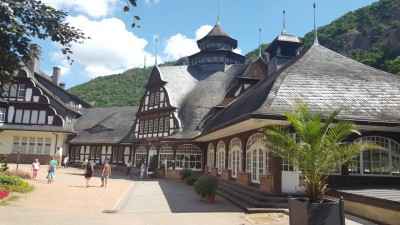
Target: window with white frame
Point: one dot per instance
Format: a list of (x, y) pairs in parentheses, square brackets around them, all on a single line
[(157, 98), (151, 99), (24, 144), (2, 115), (15, 144), (220, 156), (166, 157), (166, 123), (140, 155), (21, 90), (377, 162), (156, 125), (39, 146), (47, 146), (151, 126), (161, 125), (146, 126), (32, 144), (188, 156), (210, 156), (234, 156), (141, 127)]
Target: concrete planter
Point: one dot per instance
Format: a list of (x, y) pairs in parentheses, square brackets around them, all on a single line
[(329, 212)]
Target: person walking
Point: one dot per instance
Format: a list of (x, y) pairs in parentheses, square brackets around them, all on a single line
[(66, 161), (88, 173), (143, 171), (53, 162), (35, 168), (105, 174), (50, 173), (128, 168)]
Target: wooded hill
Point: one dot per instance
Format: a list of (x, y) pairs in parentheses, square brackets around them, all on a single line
[(370, 35)]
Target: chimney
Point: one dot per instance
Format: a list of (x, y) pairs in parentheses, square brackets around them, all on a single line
[(62, 85), (56, 75), (34, 63)]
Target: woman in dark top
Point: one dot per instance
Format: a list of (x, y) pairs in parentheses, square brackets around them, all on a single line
[(88, 173)]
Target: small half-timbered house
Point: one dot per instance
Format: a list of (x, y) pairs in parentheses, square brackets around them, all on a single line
[(37, 115)]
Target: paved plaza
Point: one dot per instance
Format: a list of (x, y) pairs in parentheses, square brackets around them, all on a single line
[(124, 201)]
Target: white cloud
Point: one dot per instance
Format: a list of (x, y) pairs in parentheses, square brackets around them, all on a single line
[(203, 31), (92, 8), (149, 2), (111, 49), (179, 45), (238, 51), (60, 61)]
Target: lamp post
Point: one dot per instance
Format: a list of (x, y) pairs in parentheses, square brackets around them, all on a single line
[(19, 149)]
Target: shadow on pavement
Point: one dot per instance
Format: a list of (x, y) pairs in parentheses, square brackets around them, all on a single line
[(183, 198)]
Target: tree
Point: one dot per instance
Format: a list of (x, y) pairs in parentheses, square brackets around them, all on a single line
[(320, 149), (20, 22)]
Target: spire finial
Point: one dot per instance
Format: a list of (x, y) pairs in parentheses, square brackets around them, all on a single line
[(156, 51), (315, 30), (259, 44), (284, 27), (218, 23)]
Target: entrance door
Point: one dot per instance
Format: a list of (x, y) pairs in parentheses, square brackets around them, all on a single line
[(290, 178), (257, 163), (235, 162)]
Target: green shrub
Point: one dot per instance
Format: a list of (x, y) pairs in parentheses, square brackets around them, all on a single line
[(185, 173), (10, 179), (190, 180), (22, 187), (206, 185)]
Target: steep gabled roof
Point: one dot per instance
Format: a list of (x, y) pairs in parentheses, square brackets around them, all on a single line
[(324, 80), (194, 93), (104, 125)]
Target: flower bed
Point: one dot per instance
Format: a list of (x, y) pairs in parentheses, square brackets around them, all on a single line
[(3, 194)]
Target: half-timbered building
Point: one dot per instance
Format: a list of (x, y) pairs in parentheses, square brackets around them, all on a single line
[(37, 115)]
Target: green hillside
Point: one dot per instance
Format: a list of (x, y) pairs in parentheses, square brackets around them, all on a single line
[(114, 90), (370, 35)]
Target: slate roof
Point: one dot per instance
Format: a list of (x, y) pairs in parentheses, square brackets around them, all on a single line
[(67, 128), (195, 93), (104, 125), (325, 80), (217, 31)]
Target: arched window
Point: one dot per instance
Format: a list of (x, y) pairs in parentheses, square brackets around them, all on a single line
[(220, 156), (166, 156), (188, 156), (140, 155), (210, 156), (235, 156), (257, 157), (377, 162)]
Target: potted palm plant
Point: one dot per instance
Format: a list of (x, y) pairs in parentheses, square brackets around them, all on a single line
[(206, 186), (318, 151)]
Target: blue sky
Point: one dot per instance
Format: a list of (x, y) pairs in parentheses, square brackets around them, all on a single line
[(177, 24)]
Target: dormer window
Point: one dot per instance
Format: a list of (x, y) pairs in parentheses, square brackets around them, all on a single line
[(141, 127), (151, 99), (2, 115), (21, 90), (157, 98)]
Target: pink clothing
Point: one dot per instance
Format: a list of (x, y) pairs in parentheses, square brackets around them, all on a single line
[(35, 172)]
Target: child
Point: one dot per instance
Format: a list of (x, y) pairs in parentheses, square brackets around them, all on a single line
[(50, 175), (35, 168)]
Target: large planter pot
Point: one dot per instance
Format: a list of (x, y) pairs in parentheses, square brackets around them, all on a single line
[(210, 198), (329, 212)]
